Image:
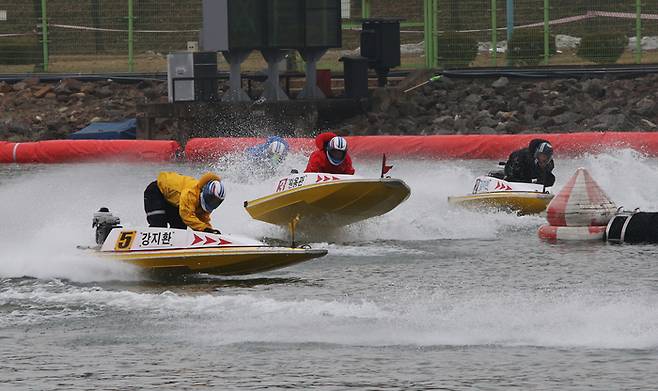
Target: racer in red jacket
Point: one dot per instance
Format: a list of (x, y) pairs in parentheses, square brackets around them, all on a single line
[(331, 156)]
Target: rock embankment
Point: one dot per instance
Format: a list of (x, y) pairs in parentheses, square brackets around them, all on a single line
[(502, 105), (33, 110)]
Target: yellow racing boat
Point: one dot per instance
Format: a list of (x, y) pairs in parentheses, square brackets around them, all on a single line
[(335, 200), (188, 251), (498, 194)]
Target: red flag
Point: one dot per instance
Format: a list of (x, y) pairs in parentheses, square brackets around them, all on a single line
[(385, 168)]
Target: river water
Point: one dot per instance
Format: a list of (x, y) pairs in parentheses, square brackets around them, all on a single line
[(425, 297)]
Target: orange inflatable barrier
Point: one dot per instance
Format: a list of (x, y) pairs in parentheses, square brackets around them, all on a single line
[(443, 146), (209, 149), (67, 151)]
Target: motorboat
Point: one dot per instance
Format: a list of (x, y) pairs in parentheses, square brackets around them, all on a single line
[(335, 200), (188, 251), (494, 193)]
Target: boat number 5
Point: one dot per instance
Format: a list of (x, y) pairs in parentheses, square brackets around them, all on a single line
[(125, 240)]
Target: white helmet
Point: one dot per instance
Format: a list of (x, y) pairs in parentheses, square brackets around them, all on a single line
[(337, 150), (277, 151)]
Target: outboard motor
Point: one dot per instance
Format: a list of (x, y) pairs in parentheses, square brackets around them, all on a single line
[(104, 221), (633, 227)]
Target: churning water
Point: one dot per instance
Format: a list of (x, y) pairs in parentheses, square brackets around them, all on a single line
[(425, 297)]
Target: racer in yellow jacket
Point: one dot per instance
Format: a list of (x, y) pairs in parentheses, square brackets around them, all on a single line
[(182, 201)]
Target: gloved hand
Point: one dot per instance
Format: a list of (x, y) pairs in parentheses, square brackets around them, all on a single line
[(212, 231)]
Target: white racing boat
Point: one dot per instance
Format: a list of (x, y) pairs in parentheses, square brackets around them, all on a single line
[(494, 193), (188, 251)]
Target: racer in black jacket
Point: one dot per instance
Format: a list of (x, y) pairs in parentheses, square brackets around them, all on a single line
[(533, 164)]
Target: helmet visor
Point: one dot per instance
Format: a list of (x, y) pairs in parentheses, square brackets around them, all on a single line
[(337, 156), (544, 154), (276, 159), (544, 158), (210, 202)]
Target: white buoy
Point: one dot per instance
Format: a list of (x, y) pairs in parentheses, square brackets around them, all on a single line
[(580, 211), (553, 233), (580, 203)]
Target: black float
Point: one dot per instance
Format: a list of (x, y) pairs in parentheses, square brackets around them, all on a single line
[(633, 227)]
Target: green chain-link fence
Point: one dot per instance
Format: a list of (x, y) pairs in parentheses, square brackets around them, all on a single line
[(550, 32), (19, 39), (95, 35), (410, 12), (135, 35)]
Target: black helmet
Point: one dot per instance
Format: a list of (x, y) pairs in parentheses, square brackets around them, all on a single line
[(544, 148)]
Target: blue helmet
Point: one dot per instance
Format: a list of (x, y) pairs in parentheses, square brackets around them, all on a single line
[(337, 150), (212, 195)]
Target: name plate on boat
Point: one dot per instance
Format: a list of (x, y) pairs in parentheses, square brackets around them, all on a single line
[(151, 238), (298, 180), (291, 182), (487, 184), (136, 239)]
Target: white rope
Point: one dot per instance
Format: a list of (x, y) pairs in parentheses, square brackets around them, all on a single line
[(624, 15), (85, 28), (568, 19), (16, 35), (577, 18)]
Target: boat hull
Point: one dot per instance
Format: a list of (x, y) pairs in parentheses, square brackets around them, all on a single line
[(188, 251), (335, 203), (521, 202), (219, 261)]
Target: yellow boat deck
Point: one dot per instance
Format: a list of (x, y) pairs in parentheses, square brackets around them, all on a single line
[(336, 203)]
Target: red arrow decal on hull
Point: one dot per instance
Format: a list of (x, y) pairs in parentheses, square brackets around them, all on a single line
[(196, 240), (222, 241), (209, 240)]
